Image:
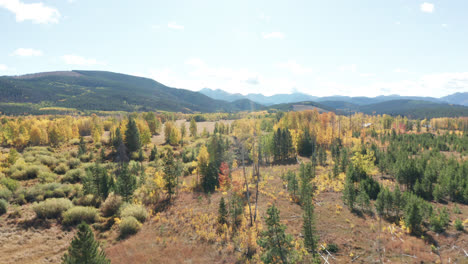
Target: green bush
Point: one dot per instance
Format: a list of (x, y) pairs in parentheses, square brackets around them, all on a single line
[(39, 192), (51, 208), (78, 214), (459, 225), (129, 226), (49, 161), (74, 175), (3, 206), (5, 193), (25, 172), (11, 184), (74, 141), (61, 169), (73, 163), (88, 200), (137, 211), (112, 205), (46, 177)]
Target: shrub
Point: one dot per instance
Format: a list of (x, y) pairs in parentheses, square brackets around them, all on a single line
[(49, 161), (46, 177), (78, 214), (74, 163), (25, 172), (11, 184), (5, 193), (61, 169), (87, 200), (129, 226), (137, 211), (112, 205), (459, 225), (74, 175), (3, 206), (51, 208), (74, 141), (40, 192)]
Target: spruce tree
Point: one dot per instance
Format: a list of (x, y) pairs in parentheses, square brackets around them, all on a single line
[(193, 127), (84, 248), (81, 147), (222, 212), (132, 136), (277, 245), (308, 226), (349, 192), (153, 154), (126, 182), (171, 173)]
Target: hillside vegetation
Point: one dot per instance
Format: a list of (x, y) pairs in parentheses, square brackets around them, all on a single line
[(268, 187), (101, 91)]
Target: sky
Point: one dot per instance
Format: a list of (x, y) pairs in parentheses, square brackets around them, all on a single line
[(322, 48)]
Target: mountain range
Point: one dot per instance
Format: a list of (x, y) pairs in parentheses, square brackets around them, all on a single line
[(457, 98), (89, 91)]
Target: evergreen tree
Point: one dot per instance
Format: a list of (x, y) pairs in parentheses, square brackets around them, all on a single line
[(126, 182), (349, 192), (171, 173), (97, 181), (154, 153), (277, 245), (81, 147), (308, 226), (413, 217), (132, 136), (183, 131), (84, 248), (222, 212), (117, 140), (193, 127)]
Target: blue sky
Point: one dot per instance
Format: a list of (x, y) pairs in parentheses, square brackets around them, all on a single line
[(356, 48)]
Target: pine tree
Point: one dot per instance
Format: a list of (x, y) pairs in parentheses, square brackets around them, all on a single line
[(171, 173), (84, 248), (308, 226), (126, 182), (81, 147), (222, 212), (193, 127), (132, 136), (154, 153), (183, 131), (117, 140), (349, 192), (277, 245)]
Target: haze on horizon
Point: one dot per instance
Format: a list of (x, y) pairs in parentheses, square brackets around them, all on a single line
[(322, 48)]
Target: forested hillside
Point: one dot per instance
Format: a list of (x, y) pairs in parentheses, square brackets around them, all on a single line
[(97, 90)]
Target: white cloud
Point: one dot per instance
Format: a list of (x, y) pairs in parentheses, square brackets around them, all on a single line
[(3, 67), (36, 12), (348, 68), (444, 25), (78, 60), (271, 35), (174, 25), (295, 68), (398, 23), (427, 7), (23, 52)]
